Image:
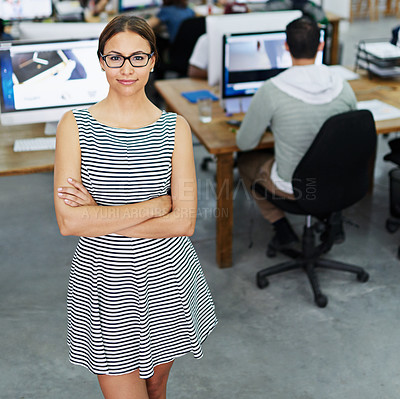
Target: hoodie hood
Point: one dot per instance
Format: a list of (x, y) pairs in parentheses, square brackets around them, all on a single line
[(312, 84)]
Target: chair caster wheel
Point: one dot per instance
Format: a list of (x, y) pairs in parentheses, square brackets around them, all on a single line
[(319, 227), (204, 163), (321, 300), (392, 226), (262, 282), (271, 252), (363, 277), (204, 166)]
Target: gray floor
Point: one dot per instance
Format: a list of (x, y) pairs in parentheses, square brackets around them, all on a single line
[(269, 344)]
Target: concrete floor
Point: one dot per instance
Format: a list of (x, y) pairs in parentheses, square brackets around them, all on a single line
[(269, 344)]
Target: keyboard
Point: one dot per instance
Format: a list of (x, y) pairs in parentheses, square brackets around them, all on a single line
[(35, 144)]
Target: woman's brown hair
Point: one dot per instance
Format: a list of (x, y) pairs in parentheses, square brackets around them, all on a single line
[(124, 23)]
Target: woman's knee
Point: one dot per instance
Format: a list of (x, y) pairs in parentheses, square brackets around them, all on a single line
[(157, 387), (157, 384), (123, 386)]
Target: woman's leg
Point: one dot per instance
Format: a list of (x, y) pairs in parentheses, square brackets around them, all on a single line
[(157, 384), (126, 386)]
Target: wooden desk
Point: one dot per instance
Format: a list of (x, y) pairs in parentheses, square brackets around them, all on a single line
[(385, 90), (219, 140), (13, 163), (334, 20)]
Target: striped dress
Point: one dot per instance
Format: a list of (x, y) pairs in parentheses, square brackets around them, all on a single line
[(133, 303)]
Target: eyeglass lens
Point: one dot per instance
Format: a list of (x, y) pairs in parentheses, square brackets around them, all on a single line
[(136, 60)]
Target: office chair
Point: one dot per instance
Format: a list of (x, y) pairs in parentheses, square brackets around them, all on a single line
[(181, 48), (393, 222), (331, 176)]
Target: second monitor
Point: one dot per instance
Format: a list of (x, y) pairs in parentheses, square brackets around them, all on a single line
[(251, 58), (40, 81), (21, 10), (131, 5)]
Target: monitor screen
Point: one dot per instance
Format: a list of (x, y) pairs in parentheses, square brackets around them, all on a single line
[(219, 25), (14, 10), (40, 81), (129, 5), (251, 58), (39, 31)]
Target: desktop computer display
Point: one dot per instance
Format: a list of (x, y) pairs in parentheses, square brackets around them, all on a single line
[(39, 31), (14, 10), (40, 81), (219, 25), (251, 58), (130, 5)]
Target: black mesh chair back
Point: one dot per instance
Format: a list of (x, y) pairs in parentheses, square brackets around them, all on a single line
[(334, 173), (182, 47)]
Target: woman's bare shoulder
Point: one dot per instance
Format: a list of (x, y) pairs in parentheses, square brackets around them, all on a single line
[(67, 126), (68, 119), (182, 124)]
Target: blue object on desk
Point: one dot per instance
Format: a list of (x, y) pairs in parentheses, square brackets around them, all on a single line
[(193, 96)]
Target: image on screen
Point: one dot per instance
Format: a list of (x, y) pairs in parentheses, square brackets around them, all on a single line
[(228, 24), (49, 76), (251, 58), (11, 10)]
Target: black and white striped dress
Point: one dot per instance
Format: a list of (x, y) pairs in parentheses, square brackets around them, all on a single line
[(133, 303)]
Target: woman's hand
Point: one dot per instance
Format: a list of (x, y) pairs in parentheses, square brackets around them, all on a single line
[(77, 195), (164, 205)]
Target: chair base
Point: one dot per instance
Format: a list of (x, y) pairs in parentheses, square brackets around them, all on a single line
[(392, 224), (309, 260)]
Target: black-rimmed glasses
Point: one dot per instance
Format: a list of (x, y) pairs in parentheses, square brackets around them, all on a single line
[(137, 60)]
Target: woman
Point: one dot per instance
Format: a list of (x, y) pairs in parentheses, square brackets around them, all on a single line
[(137, 297)]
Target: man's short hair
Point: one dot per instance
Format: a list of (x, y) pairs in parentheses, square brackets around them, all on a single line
[(303, 37)]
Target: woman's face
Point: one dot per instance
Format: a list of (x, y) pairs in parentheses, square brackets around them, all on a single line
[(127, 80)]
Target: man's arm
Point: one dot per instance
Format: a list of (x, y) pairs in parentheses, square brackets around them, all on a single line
[(197, 73), (256, 120), (350, 96), (198, 62)]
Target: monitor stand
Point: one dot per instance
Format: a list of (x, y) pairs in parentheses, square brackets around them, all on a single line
[(50, 128), (237, 104)]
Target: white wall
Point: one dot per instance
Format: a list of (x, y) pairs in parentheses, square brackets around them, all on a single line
[(339, 7)]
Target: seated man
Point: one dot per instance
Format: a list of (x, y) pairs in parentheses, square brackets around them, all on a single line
[(309, 8), (3, 35), (295, 104), (96, 7), (198, 61)]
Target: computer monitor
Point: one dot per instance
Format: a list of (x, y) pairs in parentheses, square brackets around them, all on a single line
[(39, 31), (40, 81), (251, 58), (18, 10), (131, 5), (218, 25)]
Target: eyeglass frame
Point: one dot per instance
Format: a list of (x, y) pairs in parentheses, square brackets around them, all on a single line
[(149, 55)]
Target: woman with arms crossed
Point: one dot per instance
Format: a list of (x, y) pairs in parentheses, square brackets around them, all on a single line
[(137, 297)]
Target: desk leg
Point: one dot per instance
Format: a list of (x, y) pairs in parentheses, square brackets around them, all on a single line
[(388, 7), (334, 53), (224, 211)]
